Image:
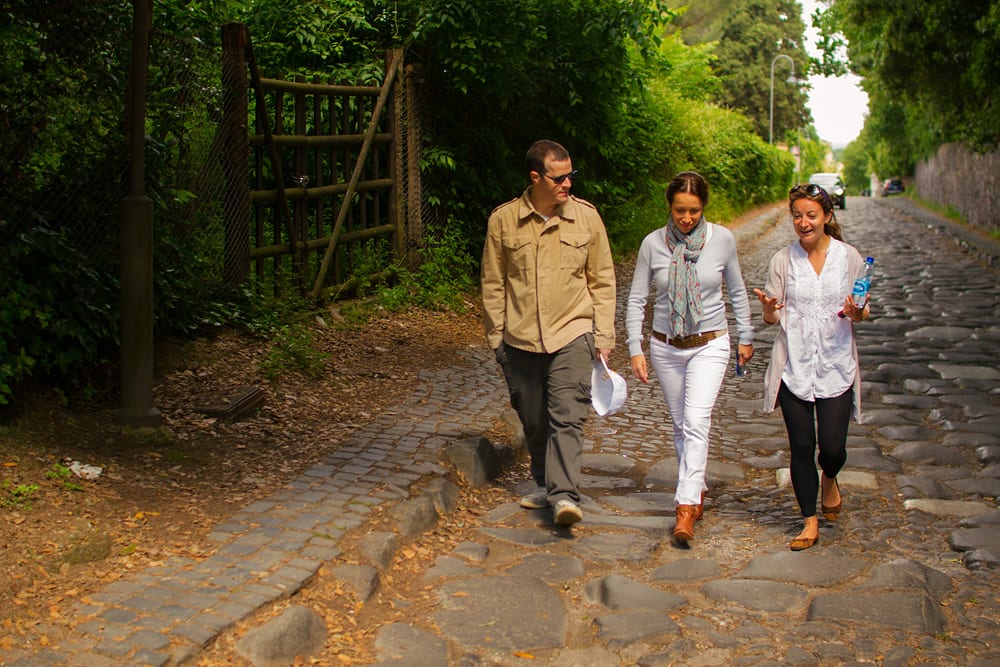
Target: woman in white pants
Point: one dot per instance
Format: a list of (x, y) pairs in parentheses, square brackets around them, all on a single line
[(684, 264)]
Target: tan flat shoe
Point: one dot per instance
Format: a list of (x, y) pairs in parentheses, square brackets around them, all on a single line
[(803, 543), (830, 512)]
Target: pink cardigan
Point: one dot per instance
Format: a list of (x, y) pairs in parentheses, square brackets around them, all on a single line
[(775, 286)]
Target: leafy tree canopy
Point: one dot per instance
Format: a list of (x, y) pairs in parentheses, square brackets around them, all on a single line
[(755, 33), (857, 166), (930, 68)]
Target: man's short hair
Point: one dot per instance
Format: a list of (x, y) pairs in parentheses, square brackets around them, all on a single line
[(534, 159)]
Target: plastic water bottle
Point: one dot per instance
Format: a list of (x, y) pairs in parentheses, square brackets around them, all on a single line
[(863, 283)]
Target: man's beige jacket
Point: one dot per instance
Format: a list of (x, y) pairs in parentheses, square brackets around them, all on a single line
[(547, 282)]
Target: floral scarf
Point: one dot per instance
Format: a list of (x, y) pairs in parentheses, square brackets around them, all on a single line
[(685, 291)]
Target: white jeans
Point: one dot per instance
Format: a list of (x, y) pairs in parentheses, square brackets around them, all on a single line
[(690, 380)]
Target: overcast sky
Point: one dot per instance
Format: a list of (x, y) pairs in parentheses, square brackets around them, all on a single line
[(838, 104)]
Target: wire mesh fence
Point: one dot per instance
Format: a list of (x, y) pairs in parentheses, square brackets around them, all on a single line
[(64, 173), (79, 197), (67, 160)]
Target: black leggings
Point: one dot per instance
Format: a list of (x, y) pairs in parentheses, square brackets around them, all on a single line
[(832, 416)]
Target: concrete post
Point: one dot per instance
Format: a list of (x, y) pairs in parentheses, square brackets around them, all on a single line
[(136, 217)]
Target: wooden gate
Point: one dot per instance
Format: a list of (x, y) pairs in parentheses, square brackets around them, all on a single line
[(312, 192)]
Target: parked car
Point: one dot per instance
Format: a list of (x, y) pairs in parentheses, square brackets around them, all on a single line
[(834, 187), (893, 186)]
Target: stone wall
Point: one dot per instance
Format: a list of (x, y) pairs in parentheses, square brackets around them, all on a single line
[(967, 181)]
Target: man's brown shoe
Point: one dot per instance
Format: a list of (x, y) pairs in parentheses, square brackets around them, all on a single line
[(684, 528)]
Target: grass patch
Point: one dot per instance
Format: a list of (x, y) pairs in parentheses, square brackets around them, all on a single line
[(948, 211)]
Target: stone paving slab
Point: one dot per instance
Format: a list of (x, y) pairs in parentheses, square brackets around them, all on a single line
[(907, 610), (957, 508), (502, 613), (767, 596), (633, 627), (804, 568), (616, 591)]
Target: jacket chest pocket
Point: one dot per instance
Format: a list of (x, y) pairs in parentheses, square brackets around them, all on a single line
[(519, 251), (573, 250)]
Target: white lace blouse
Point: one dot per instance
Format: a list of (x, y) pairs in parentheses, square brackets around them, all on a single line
[(821, 362)]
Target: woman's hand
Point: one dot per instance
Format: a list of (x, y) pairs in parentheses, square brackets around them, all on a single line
[(639, 368), (769, 306), (744, 353), (854, 313)]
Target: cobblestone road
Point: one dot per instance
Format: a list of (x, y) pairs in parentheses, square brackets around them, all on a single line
[(907, 575)]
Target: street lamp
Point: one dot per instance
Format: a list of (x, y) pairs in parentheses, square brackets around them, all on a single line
[(791, 79)]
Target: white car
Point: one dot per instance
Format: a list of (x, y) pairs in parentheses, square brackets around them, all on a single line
[(834, 187)]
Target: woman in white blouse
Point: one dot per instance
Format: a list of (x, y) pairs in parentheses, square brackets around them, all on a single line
[(814, 373), (685, 262)]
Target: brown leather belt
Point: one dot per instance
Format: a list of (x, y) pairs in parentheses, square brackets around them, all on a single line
[(694, 340)]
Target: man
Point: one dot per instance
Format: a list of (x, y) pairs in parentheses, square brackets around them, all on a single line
[(548, 283)]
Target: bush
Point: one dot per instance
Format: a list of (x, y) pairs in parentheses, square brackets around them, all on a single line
[(671, 127), (56, 320), (742, 170), (442, 281), (293, 350)]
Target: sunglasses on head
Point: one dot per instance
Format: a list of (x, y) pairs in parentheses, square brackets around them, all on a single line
[(812, 191), (558, 180)]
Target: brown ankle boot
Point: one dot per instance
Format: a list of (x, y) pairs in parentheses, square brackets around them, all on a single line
[(684, 528), (701, 508)]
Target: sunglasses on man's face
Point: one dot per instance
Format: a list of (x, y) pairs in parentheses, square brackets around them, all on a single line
[(558, 180), (812, 191)]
